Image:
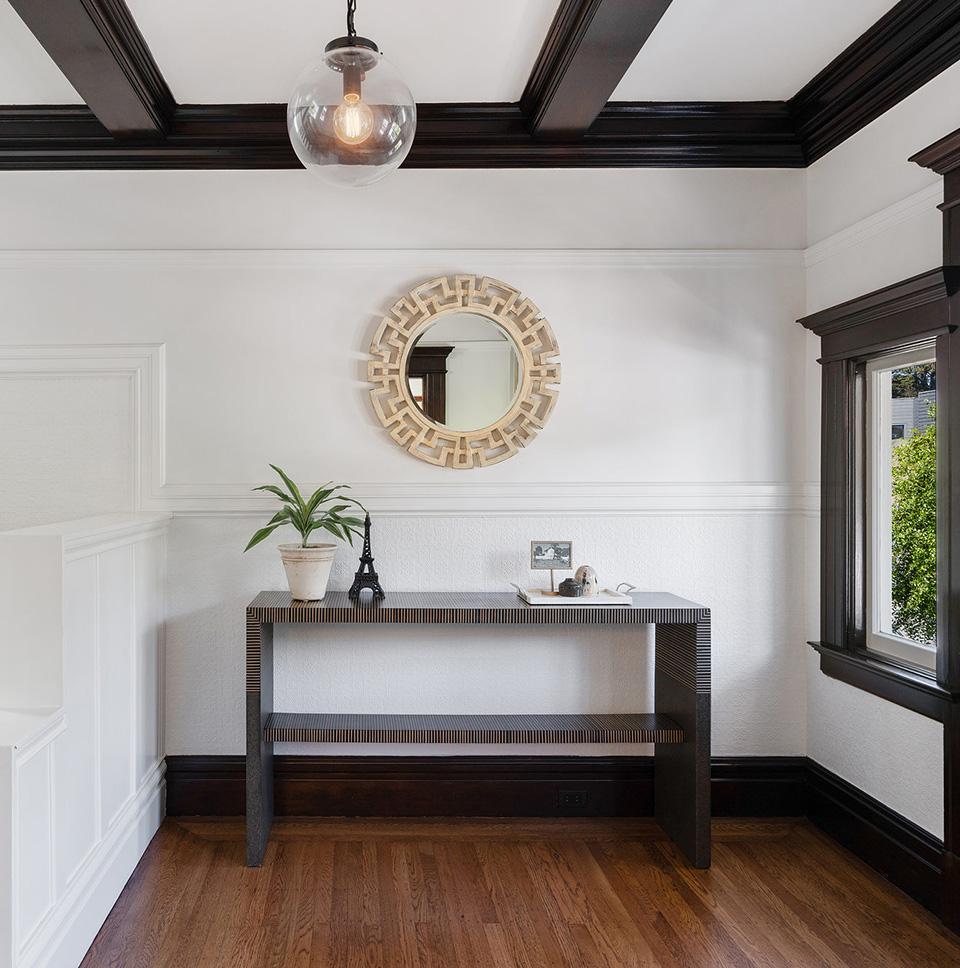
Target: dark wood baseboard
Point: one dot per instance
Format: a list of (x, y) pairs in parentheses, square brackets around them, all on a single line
[(486, 786), (907, 855), (553, 786)]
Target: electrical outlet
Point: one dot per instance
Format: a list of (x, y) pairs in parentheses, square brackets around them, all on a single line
[(572, 799)]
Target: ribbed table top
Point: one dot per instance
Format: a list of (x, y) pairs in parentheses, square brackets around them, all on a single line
[(493, 608)]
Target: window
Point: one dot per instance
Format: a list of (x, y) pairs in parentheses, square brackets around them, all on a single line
[(890, 504), (901, 506)]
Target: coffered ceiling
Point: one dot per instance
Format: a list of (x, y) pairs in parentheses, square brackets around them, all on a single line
[(499, 83), (247, 51), (27, 73), (743, 50)]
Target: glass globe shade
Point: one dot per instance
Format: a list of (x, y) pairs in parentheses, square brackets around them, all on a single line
[(351, 118)]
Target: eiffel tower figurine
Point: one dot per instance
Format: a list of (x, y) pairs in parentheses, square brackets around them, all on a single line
[(366, 577)]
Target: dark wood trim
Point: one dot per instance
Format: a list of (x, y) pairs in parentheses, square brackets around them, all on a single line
[(488, 135), (908, 855), (913, 309), (942, 156), (589, 47), (494, 786), (758, 786), (902, 51), (429, 363), (100, 50), (881, 677)]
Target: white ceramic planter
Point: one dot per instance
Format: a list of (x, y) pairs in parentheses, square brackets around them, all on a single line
[(308, 569)]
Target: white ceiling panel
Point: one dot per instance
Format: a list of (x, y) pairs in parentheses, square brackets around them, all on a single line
[(27, 74), (249, 51), (743, 50)]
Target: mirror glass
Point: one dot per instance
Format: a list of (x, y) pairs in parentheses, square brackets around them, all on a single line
[(464, 372)]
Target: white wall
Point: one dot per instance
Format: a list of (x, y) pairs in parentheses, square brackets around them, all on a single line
[(672, 459), (86, 466), (872, 221)]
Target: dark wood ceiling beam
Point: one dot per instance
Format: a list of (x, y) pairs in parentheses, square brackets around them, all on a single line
[(100, 50), (901, 52), (484, 135), (590, 46)]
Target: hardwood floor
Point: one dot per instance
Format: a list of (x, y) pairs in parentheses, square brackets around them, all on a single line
[(440, 894)]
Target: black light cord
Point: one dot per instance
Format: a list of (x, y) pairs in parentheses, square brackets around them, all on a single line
[(351, 10)]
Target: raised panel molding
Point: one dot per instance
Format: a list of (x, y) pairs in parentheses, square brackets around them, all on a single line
[(145, 363)]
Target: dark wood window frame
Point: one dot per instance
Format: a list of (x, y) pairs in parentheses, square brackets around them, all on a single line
[(922, 309)]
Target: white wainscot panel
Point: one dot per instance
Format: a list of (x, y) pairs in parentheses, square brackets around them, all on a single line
[(81, 775), (115, 674), (33, 829), (77, 749)]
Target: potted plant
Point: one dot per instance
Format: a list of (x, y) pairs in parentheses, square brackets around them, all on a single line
[(308, 565)]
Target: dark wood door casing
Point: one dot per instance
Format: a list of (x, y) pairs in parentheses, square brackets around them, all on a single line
[(429, 363)]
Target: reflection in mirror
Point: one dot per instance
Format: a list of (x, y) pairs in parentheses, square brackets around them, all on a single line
[(463, 372)]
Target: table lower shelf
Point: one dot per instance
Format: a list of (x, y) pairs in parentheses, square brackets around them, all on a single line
[(539, 728)]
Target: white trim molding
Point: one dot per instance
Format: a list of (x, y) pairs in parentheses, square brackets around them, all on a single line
[(427, 260), (574, 498), (923, 202)]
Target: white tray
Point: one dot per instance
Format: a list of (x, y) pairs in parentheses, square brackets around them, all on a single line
[(540, 596)]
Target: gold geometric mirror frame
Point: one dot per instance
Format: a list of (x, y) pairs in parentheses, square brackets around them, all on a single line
[(536, 348)]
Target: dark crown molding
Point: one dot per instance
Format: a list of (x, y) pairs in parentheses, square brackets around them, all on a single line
[(904, 49), (485, 135)]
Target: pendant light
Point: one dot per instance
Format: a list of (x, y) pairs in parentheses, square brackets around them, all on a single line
[(351, 117)]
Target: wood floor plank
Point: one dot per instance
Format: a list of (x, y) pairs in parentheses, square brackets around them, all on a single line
[(396, 909), (510, 894)]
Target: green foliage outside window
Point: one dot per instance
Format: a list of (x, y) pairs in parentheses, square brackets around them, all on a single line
[(914, 590)]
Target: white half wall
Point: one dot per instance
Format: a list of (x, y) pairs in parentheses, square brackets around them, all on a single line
[(81, 769)]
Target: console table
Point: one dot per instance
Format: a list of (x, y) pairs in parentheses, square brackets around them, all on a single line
[(679, 726)]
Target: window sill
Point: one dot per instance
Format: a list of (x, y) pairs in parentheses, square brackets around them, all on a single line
[(913, 690)]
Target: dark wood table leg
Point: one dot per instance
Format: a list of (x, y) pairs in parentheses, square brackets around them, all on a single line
[(682, 771), (259, 751)]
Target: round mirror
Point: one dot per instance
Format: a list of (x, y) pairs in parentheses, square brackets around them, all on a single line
[(463, 372)]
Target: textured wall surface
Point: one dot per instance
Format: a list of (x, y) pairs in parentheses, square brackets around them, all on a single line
[(673, 460), (739, 564), (67, 447)]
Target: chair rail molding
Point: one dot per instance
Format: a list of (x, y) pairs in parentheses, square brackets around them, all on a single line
[(428, 260), (145, 364)]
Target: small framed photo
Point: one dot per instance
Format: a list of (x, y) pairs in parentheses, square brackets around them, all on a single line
[(551, 555)]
